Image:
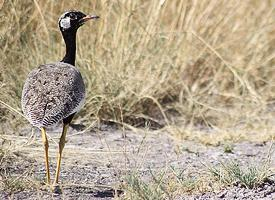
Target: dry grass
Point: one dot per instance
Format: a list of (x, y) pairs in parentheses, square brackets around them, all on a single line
[(231, 173), (203, 69), (173, 183), (180, 63)]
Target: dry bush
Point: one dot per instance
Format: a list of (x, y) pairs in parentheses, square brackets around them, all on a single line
[(205, 62)]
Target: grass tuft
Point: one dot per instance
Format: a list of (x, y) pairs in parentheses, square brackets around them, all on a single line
[(138, 189), (231, 173), (228, 148)]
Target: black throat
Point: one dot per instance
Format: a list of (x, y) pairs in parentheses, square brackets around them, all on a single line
[(70, 41)]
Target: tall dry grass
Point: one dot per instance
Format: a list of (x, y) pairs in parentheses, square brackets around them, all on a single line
[(176, 62)]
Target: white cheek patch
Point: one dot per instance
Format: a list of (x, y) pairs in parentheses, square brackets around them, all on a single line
[(65, 23)]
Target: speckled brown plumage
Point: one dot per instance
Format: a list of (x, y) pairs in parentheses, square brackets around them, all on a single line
[(51, 93)]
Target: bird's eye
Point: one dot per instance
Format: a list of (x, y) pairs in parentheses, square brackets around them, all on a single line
[(73, 16)]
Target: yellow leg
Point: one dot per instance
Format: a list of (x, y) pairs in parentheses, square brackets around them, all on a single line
[(46, 147), (61, 146)]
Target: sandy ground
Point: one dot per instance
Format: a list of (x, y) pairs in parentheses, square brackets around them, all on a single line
[(95, 163)]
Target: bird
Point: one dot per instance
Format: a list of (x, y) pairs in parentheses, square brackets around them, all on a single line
[(55, 92)]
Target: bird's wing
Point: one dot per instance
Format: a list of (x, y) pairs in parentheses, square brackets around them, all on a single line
[(51, 93)]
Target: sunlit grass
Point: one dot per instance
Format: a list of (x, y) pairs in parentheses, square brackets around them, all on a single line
[(208, 63), (173, 183), (203, 70)]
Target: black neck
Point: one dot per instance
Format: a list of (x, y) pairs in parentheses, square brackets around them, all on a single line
[(70, 41)]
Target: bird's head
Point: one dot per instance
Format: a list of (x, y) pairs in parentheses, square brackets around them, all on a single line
[(72, 20)]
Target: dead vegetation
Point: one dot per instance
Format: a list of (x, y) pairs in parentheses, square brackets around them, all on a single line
[(207, 63), (203, 70), (171, 183)]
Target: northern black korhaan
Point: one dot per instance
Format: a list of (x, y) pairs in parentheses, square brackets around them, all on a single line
[(55, 92)]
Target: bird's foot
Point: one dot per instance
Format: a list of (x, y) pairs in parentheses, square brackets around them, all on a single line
[(56, 188), (46, 186)]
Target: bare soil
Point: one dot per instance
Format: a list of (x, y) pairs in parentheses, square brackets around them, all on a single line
[(95, 163)]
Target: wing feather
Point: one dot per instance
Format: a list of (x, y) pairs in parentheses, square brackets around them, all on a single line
[(51, 93)]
